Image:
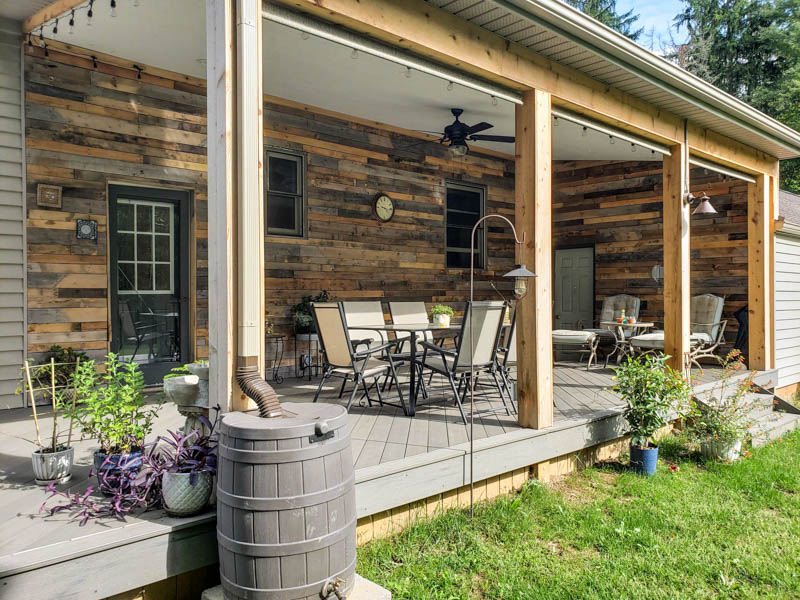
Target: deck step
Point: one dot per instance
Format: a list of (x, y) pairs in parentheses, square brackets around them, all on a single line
[(771, 427)]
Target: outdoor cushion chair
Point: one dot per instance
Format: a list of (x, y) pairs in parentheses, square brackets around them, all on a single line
[(366, 314), (612, 308), (454, 364), (707, 334), (343, 360), (581, 340)]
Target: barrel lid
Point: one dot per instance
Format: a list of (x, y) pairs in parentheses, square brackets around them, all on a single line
[(299, 419)]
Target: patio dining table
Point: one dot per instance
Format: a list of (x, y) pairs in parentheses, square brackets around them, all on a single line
[(413, 329), (622, 346)]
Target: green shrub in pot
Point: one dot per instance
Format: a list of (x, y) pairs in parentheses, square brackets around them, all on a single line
[(441, 315)]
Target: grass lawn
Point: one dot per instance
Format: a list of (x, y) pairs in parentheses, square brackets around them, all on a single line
[(705, 531)]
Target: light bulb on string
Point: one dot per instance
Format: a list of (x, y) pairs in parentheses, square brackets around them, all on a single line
[(555, 121), (90, 13), (408, 73), (71, 29), (113, 10), (41, 34), (494, 100), (354, 54), (611, 140), (55, 28), (449, 86), (633, 147), (304, 35), (585, 132)]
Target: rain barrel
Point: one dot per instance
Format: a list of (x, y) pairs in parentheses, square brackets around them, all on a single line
[(286, 513)]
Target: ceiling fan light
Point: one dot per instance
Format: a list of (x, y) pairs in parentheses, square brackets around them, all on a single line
[(458, 148)]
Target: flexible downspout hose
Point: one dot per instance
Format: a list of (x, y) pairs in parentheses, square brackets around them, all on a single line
[(255, 386)]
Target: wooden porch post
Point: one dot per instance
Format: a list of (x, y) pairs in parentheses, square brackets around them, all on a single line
[(677, 281), (759, 272), (533, 217), (231, 114)]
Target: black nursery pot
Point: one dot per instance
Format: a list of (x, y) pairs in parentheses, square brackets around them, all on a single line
[(115, 471)]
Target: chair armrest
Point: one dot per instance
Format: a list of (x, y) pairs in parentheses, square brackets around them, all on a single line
[(428, 346), (356, 343), (373, 349)]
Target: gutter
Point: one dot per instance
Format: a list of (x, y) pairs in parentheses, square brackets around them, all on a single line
[(586, 32)]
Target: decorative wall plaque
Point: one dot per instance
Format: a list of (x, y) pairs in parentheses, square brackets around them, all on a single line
[(48, 195), (86, 229)]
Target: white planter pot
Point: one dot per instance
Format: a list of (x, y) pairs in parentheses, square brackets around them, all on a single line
[(441, 320), (721, 450), (184, 390), (180, 497), (49, 467)]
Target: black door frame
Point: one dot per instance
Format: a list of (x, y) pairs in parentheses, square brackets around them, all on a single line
[(182, 200)]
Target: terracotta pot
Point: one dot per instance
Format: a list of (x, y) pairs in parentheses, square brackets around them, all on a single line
[(49, 467), (180, 497)]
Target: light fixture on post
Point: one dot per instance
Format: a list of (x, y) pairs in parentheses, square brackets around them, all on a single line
[(520, 274)]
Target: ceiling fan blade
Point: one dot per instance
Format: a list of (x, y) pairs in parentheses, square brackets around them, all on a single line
[(492, 138), (482, 126)]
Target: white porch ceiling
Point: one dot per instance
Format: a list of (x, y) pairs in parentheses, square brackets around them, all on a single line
[(171, 35)]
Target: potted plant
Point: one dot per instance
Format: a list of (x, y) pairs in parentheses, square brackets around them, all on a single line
[(112, 408), (188, 385), (441, 314), (649, 388), (301, 312), (186, 465), (53, 458), (720, 424)]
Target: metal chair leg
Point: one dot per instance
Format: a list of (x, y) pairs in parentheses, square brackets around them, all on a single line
[(500, 391), (344, 383), (357, 379), (458, 398)]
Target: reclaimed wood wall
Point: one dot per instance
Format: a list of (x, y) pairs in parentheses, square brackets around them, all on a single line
[(91, 121), (348, 252), (617, 208)]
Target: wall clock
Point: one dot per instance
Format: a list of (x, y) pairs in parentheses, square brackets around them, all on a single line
[(383, 206)]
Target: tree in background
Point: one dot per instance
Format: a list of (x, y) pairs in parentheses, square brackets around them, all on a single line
[(605, 11), (750, 49)]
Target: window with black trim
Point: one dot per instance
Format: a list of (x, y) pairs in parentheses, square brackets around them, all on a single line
[(284, 193), (465, 204)]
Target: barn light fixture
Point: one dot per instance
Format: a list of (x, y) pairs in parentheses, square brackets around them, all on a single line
[(704, 206)]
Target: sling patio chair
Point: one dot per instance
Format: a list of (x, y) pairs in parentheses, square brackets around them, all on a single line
[(454, 364), (342, 359), (507, 358), (607, 334), (368, 314), (707, 333)]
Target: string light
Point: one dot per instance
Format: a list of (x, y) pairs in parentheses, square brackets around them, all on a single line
[(90, 13), (494, 100), (449, 86), (55, 28), (30, 43), (72, 22), (408, 73), (555, 121), (113, 8), (304, 35), (354, 54), (585, 131), (41, 34), (611, 140), (633, 147)]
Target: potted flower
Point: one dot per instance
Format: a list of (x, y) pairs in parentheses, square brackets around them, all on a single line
[(112, 408), (649, 388), (186, 465), (441, 314), (721, 422), (53, 458), (301, 312)]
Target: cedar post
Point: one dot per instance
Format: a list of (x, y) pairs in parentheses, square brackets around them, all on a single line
[(533, 217), (234, 108), (759, 272), (677, 235)]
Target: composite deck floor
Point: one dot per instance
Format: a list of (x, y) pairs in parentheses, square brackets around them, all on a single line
[(380, 435)]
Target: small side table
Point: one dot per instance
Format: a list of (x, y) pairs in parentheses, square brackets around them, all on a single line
[(310, 360), (279, 339), (622, 347)]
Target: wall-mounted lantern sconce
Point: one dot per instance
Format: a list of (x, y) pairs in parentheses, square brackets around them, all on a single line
[(704, 206)]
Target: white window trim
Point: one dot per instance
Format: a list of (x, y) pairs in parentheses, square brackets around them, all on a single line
[(153, 262)]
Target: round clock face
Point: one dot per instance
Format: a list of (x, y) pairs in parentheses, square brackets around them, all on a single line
[(384, 207)]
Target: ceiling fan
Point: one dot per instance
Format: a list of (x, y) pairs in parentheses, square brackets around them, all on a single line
[(458, 134)]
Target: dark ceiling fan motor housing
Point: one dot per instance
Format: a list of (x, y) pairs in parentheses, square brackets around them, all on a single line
[(459, 133)]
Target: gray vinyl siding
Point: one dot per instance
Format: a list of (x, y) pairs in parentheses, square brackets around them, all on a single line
[(12, 214), (787, 308)]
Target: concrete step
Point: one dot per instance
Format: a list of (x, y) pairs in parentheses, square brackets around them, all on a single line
[(771, 427)]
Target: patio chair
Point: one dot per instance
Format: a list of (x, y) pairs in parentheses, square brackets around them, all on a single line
[(707, 333), (454, 364), (607, 334), (507, 358), (405, 313), (578, 340), (137, 332), (366, 314), (343, 360)]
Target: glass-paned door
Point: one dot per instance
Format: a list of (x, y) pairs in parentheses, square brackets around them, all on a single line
[(150, 279)]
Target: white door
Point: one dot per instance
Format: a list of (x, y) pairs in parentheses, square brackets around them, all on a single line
[(574, 288)]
